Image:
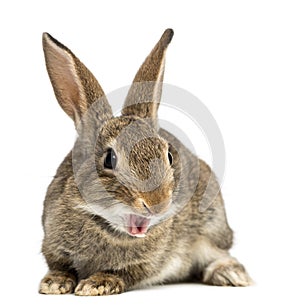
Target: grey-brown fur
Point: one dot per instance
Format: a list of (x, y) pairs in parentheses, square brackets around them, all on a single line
[(90, 253)]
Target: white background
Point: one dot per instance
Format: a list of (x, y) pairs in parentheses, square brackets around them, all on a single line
[(240, 58)]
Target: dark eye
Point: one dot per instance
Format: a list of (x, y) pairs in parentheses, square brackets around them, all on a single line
[(110, 161), (170, 157)]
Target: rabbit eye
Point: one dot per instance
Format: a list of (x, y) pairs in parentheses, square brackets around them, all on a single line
[(170, 157), (110, 161)]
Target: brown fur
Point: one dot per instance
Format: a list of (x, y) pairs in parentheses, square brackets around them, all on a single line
[(86, 251)]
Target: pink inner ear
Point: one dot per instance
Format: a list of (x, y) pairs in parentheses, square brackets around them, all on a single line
[(63, 75)]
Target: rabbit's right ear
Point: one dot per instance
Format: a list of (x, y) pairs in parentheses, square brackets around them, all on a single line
[(75, 87), (144, 95)]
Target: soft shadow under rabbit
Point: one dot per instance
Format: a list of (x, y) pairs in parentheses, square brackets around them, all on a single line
[(129, 206)]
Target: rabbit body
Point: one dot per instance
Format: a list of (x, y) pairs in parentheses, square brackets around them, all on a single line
[(85, 251)]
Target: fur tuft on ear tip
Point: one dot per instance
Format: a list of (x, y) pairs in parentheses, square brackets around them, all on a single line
[(167, 37), (49, 38)]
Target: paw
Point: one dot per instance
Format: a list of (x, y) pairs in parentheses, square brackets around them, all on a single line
[(226, 272), (57, 283), (100, 284)]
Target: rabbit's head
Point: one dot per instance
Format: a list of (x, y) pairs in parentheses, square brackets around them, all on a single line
[(125, 171)]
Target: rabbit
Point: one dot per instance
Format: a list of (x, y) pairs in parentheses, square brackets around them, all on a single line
[(130, 206)]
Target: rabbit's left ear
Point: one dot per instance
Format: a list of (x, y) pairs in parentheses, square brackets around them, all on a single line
[(145, 93), (75, 87)]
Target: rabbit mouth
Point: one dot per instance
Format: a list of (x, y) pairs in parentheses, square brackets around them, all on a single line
[(137, 226)]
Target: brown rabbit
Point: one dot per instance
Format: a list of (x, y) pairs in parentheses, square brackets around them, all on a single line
[(130, 206)]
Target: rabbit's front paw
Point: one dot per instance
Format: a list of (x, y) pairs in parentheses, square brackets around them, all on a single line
[(57, 282), (226, 272), (100, 284)]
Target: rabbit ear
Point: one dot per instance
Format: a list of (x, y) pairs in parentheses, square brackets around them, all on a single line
[(144, 95), (75, 87)]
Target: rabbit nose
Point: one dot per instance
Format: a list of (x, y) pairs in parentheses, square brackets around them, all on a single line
[(156, 209), (147, 208)]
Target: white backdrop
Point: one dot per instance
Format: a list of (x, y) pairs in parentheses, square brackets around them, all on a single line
[(240, 58)]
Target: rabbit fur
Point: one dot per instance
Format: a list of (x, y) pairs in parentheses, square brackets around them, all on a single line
[(129, 225)]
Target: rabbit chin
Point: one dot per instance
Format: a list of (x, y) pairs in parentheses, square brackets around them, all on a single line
[(122, 218)]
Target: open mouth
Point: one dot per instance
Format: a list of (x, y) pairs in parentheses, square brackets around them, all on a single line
[(137, 226)]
